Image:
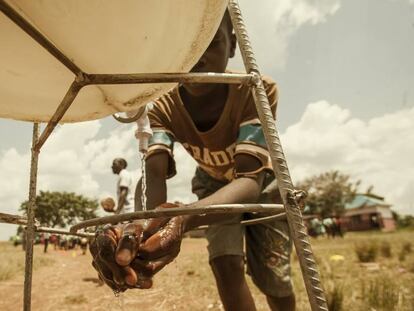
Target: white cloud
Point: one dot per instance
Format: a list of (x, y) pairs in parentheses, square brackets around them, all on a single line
[(74, 159), (378, 151), (285, 17)]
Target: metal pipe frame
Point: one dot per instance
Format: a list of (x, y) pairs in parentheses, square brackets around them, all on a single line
[(30, 231), (13, 219), (251, 222), (20, 220), (64, 232), (293, 213), (195, 77), (84, 79), (252, 78), (172, 212)]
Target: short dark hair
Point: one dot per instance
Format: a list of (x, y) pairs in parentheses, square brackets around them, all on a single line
[(123, 162)]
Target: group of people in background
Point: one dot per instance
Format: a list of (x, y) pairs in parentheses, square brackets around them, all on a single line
[(61, 242), (329, 226)]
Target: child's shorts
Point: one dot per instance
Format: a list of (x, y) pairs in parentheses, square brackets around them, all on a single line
[(267, 245)]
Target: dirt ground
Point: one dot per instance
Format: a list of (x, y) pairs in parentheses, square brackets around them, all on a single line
[(68, 282)]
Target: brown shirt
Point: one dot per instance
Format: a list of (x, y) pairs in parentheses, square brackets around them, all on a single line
[(238, 130)]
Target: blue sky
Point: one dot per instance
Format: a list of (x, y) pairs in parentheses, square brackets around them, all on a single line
[(346, 76)]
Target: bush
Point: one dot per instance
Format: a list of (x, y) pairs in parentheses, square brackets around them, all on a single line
[(381, 293), (366, 252), (407, 248), (335, 298), (386, 249), (401, 255)]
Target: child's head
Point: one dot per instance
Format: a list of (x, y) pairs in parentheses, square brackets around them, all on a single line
[(216, 57), (118, 165)]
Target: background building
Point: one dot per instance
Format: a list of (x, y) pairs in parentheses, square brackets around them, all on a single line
[(366, 212)]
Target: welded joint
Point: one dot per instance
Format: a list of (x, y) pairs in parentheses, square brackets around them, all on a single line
[(297, 197), (82, 79), (255, 80)]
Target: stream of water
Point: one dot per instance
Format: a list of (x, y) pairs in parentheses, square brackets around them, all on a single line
[(143, 183)]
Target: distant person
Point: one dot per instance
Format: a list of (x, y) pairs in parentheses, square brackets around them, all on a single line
[(84, 245), (338, 227), (328, 223), (124, 187), (23, 238), (46, 237)]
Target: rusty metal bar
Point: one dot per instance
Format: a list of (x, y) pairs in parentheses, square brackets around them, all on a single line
[(30, 231), (60, 111), (136, 78), (293, 213), (172, 212), (13, 219), (38, 37), (64, 232), (21, 220), (250, 222)]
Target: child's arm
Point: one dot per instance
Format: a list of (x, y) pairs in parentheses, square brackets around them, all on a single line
[(156, 175), (163, 246), (240, 190)]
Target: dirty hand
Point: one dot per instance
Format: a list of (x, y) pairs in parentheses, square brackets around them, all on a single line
[(161, 242), (127, 256), (113, 250)]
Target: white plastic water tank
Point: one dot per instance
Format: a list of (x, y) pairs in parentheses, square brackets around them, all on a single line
[(111, 36)]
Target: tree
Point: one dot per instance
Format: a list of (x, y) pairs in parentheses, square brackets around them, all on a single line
[(61, 209), (328, 193)]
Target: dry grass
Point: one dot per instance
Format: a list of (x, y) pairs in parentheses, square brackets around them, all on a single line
[(75, 299), (366, 251), (12, 261), (386, 249), (188, 284)]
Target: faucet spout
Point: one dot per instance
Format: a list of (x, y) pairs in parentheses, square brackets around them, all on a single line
[(143, 132)]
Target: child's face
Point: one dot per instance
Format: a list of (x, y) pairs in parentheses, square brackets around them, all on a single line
[(116, 167), (215, 58)]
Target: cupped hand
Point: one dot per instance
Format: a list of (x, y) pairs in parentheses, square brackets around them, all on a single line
[(128, 255), (113, 250), (161, 247)]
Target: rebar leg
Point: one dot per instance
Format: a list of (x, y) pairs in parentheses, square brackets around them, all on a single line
[(30, 230), (294, 216)]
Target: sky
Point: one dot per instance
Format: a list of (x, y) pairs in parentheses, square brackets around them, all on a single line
[(346, 77)]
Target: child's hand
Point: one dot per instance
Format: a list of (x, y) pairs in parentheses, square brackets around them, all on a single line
[(113, 250), (127, 256)]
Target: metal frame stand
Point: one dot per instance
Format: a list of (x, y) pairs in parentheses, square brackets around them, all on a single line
[(30, 230), (252, 78), (293, 213)]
